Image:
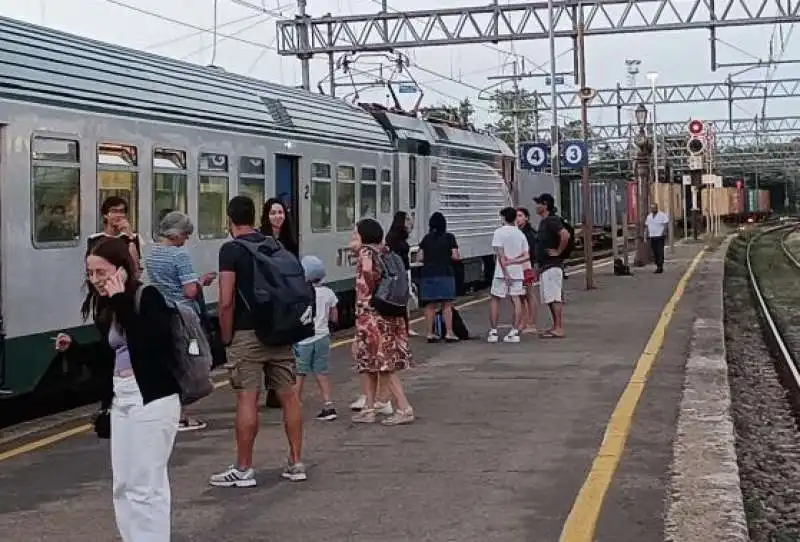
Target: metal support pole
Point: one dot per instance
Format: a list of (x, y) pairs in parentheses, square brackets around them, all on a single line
[(612, 206), (643, 172), (555, 150), (515, 119), (304, 59), (586, 193), (626, 206)]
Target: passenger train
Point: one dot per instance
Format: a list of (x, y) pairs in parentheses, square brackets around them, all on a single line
[(81, 120)]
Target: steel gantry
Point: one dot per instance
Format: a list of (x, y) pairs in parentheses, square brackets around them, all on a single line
[(494, 23), (726, 91)]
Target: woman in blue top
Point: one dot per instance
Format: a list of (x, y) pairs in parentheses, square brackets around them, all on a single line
[(169, 268)]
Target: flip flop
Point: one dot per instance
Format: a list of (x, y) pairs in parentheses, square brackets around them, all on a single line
[(550, 335)]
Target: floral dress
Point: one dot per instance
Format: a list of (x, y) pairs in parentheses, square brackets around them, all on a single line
[(381, 343)]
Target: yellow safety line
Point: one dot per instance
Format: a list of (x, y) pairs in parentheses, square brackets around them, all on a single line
[(582, 520), (35, 445)]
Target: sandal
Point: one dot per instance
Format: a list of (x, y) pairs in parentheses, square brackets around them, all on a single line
[(189, 424), (451, 339), (433, 339), (550, 335)]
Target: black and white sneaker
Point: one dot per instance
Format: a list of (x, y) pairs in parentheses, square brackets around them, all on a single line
[(327, 414)]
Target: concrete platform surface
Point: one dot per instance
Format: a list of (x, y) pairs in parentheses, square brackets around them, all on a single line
[(505, 436)]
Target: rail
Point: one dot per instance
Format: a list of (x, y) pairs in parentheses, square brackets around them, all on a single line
[(786, 359)]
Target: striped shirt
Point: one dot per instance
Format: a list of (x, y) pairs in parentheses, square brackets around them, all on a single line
[(169, 269)]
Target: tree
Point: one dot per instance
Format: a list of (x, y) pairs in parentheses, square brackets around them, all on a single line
[(460, 114), (503, 102)]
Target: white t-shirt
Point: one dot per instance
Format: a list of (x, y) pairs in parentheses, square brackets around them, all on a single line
[(513, 243), (656, 224), (326, 300)]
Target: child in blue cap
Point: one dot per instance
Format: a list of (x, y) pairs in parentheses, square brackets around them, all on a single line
[(312, 354)]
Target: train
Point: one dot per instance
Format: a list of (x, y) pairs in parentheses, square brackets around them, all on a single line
[(81, 120)]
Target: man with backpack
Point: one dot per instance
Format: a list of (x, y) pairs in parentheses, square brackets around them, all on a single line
[(553, 246), (248, 326)]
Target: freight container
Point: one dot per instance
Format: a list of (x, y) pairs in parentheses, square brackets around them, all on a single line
[(764, 201), (752, 200), (737, 200), (717, 201), (601, 207), (668, 197)]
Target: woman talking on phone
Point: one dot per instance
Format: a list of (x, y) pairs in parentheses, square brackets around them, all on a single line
[(141, 391)]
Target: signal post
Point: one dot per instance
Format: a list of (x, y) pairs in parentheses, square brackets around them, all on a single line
[(696, 145)]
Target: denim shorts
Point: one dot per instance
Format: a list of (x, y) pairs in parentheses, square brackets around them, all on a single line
[(313, 357), (433, 289)]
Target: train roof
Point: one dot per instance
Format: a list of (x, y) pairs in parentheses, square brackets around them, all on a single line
[(49, 67), (443, 135)]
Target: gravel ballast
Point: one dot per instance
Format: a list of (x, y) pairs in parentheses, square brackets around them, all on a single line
[(767, 438)]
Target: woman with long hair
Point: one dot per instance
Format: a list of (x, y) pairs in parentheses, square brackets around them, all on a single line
[(529, 305), (438, 251), (276, 222), (380, 347), (136, 357), (397, 241)]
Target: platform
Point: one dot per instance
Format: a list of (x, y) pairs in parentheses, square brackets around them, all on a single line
[(505, 437)]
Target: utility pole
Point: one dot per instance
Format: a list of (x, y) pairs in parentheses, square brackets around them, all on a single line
[(515, 108), (586, 193), (304, 58), (554, 139)]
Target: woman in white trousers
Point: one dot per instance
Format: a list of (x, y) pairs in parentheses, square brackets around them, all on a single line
[(141, 398)]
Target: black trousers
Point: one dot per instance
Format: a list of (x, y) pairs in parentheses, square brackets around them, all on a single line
[(657, 245)]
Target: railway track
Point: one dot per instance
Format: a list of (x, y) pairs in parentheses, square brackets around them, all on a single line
[(774, 275)]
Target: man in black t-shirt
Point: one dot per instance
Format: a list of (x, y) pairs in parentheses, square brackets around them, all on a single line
[(248, 356), (552, 240)]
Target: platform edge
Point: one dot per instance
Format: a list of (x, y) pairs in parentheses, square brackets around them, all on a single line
[(704, 501)]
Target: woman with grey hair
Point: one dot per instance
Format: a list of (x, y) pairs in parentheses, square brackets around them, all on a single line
[(169, 268)]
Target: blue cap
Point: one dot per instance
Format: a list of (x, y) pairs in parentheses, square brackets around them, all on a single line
[(313, 268)]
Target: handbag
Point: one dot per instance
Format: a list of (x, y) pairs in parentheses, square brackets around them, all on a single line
[(102, 424), (219, 355)]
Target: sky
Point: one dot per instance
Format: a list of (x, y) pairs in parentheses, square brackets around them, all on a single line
[(445, 74)]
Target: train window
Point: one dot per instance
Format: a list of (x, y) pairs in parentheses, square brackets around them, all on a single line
[(412, 182), (169, 184), (212, 198), (55, 181), (117, 175), (369, 193), (386, 191), (320, 197), (252, 182), (345, 198)]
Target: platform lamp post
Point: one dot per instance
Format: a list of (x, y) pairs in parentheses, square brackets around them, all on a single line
[(643, 183)]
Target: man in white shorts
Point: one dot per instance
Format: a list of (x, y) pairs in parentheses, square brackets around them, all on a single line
[(511, 250), (552, 241)]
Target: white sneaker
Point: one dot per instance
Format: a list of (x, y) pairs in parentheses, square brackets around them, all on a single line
[(233, 477), (512, 337), (384, 408), (359, 403), (492, 338)]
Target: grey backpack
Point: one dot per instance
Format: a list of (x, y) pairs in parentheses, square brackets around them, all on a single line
[(390, 297), (192, 351)]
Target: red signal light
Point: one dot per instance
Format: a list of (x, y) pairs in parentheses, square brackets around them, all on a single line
[(696, 127)]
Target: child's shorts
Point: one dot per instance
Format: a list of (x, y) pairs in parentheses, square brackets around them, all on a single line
[(313, 357)]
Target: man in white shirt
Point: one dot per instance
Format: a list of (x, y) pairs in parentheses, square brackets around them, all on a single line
[(511, 250), (656, 226)]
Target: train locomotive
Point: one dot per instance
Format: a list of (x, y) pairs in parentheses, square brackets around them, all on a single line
[(82, 120)]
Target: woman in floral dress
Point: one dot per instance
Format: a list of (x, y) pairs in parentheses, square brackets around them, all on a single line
[(380, 347)]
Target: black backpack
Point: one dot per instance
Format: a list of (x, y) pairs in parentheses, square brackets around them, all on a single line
[(282, 304), (390, 297), (571, 243)]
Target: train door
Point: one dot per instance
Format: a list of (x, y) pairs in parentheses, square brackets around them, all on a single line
[(287, 186)]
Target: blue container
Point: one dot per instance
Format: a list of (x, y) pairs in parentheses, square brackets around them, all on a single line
[(601, 211)]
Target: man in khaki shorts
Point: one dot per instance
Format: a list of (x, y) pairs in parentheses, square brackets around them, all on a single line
[(552, 241), (249, 359)]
